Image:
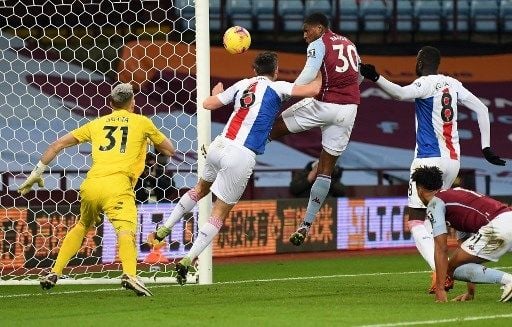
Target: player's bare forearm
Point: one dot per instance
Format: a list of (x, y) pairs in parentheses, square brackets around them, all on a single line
[(441, 262), (56, 147), (212, 102)]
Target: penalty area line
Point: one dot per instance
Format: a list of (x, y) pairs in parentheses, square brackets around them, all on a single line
[(440, 321)]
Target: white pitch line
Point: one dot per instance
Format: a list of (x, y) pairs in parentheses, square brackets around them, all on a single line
[(231, 282), (439, 321)]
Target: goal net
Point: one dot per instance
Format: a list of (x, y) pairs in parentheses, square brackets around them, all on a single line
[(59, 60)]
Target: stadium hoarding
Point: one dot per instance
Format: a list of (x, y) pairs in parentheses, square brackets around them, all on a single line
[(372, 223), (31, 237), (322, 235)]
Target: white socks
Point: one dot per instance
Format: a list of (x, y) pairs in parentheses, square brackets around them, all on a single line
[(424, 241), (185, 205), (205, 237)]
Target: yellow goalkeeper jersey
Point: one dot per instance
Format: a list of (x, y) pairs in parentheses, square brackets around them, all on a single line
[(119, 143)]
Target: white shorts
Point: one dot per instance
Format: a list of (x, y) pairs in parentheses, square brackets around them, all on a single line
[(229, 166), (335, 121), (449, 167), (492, 240)]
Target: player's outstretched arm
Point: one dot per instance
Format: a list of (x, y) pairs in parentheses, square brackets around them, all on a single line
[(49, 154), (408, 92), (469, 100), (214, 101)]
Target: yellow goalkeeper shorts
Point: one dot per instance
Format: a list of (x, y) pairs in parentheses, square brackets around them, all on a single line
[(112, 195)]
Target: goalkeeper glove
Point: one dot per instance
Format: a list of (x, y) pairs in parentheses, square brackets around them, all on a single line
[(34, 177), (493, 157), (368, 71)]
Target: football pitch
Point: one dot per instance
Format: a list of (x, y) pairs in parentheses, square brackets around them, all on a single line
[(357, 290)]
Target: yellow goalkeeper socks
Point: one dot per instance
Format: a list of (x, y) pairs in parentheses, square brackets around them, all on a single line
[(70, 246), (127, 252)]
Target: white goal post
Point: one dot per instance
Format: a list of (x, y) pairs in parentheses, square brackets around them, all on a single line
[(58, 62)]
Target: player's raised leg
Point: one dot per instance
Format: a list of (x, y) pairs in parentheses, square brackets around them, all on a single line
[(184, 206)]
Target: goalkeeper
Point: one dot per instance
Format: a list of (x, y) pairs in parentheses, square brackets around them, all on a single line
[(119, 141)]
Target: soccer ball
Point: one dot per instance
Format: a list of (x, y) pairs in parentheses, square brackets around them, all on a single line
[(236, 40)]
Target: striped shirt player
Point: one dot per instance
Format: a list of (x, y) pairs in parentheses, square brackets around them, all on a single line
[(437, 138), (257, 102), (231, 156)]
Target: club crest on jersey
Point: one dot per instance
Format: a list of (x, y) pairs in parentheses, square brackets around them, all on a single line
[(312, 53)]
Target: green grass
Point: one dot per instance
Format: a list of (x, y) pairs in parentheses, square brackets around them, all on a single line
[(383, 289)]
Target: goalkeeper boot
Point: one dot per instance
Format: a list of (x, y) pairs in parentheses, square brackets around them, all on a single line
[(136, 285), (155, 238), (48, 281), (182, 270), (300, 234), (507, 293)]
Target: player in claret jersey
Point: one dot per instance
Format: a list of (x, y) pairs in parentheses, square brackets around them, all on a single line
[(437, 138), (333, 109), (489, 222)]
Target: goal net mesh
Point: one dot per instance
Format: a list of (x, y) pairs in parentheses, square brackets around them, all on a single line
[(59, 60)]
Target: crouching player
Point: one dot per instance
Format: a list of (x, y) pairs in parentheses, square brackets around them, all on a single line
[(489, 221)]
